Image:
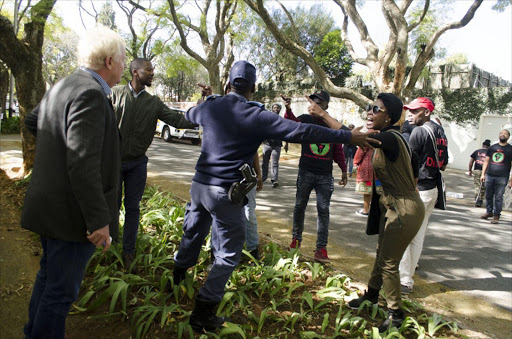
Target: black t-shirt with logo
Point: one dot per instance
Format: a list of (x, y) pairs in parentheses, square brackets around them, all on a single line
[(479, 157), (500, 160), (316, 158), (421, 144)]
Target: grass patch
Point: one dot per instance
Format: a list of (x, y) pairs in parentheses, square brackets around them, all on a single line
[(282, 296)]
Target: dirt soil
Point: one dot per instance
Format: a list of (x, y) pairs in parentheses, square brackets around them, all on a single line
[(20, 254)]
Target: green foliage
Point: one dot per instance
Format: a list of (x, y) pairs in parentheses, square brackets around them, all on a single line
[(270, 58), (280, 296), (11, 125), (332, 55), (107, 16), (501, 5), (466, 105), (179, 73), (456, 59), (59, 50), (420, 36)]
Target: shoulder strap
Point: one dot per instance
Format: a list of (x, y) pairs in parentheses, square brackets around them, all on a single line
[(401, 137)]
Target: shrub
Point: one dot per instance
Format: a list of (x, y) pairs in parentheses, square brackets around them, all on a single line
[(11, 125)]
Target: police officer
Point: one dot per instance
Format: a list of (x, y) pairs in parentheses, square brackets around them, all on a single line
[(233, 129)]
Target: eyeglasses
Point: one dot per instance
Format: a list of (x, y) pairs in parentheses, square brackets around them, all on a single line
[(374, 108)]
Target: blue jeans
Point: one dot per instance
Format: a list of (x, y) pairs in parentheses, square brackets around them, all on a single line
[(349, 160), (251, 229), (494, 190), (56, 288), (323, 186), (210, 207), (270, 153), (133, 174)]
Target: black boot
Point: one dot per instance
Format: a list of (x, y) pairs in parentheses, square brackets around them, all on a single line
[(256, 254), (203, 316), (372, 295), (178, 276), (395, 319)]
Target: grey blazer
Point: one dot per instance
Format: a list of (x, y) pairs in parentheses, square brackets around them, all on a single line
[(75, 180)]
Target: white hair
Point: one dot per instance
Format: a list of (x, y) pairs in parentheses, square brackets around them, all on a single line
[(96, 45)]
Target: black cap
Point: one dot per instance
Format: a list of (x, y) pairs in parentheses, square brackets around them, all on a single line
[(242, 70), (393, 104), (487, 142), (322, 95)]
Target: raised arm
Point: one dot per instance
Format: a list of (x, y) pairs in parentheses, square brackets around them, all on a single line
[(358, 138)]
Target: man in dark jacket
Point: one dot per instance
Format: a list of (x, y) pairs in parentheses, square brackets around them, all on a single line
[(71, 201), (137, 113), (233, 129)]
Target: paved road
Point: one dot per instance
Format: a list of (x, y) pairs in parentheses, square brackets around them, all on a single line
[(460, 251)]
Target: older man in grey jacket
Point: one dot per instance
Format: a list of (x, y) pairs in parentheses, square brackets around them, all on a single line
[(71, 201)]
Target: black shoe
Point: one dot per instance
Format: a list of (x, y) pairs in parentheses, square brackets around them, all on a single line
[(203, 316), (255, 254), (395, 319), (372, 295), (479, 203), (178, 275), (128, 259), (275, 184)]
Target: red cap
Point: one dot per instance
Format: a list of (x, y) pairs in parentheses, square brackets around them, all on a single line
[(421, 102)]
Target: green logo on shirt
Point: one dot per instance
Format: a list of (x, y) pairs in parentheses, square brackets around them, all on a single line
[(498, 157), (320, 149)]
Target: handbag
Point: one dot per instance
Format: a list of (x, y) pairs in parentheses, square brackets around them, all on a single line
[(373, 221), (441, 187)]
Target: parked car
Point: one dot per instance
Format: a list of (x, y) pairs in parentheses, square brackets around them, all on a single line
[(167, 132)]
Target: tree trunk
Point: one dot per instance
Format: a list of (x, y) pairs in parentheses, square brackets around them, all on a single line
[(4, 87), (24, 58)]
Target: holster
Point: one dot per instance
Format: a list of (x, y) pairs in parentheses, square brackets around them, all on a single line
[(237, 193)]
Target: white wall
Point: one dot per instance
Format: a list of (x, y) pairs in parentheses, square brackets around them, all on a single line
[(462, 139)]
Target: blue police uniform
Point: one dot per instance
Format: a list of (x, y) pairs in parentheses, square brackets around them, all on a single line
[(233, 129)]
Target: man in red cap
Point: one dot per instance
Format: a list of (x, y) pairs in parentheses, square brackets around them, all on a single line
[(426, 140)]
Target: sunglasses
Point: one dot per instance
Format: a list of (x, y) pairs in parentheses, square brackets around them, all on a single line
[(374, 108)]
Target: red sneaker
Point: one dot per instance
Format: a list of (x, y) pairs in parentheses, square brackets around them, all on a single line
[(321, 256), (295, 243)]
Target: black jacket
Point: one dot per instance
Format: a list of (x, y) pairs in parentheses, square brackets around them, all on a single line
[(75, 180)]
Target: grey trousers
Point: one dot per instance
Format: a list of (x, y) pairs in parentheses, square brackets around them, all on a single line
[(268, 153)]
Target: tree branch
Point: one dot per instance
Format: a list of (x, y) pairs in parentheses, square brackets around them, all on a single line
[(300, 51), (428, 52), (292, 22), (404, 6), (413, 25), (183, 37), (349, 6)]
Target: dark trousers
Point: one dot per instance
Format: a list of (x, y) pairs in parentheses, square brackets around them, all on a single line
[(210, 207), (133, 175), (56, 288), (323, 186), (494, 190)]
